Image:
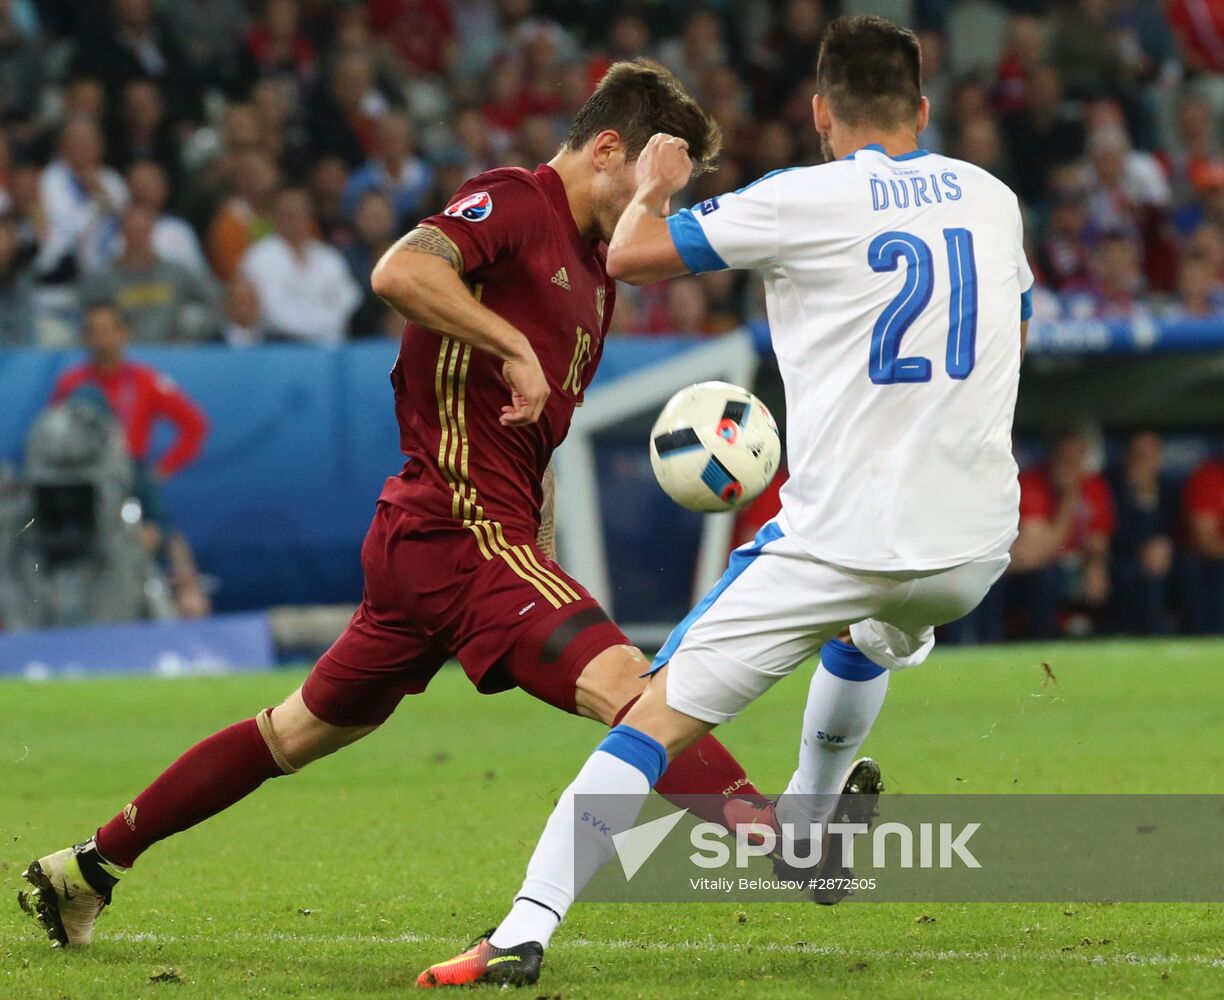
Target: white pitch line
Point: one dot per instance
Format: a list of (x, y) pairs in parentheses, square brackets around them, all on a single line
[(706, 945)]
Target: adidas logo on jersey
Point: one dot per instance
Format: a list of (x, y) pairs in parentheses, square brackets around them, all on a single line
[(561, 278)]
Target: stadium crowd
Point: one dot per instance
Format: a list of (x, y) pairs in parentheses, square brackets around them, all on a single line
[(191, 160), (230, 170)]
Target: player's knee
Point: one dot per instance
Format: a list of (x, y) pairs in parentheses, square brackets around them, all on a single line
[(301, 737), (610, 682)]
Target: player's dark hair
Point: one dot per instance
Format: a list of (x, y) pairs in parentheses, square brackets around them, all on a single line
[(870, 71), (639, 98)]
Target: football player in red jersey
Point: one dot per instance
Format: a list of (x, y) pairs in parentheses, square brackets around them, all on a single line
[(508, 303)]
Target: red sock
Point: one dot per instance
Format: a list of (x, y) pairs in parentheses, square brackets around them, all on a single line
[(703, 771), (210, 777)]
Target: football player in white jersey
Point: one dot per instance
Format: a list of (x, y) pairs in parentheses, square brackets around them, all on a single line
[(898, 296)]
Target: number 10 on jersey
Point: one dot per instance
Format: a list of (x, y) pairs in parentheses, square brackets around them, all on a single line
[(886, 251)]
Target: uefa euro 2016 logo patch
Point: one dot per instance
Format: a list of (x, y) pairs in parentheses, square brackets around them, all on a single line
[(475, 207)]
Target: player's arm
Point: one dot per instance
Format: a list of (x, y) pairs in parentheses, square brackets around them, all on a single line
[(642, 250), (190, 424), (739, 230), (546, 537), (420, 278)]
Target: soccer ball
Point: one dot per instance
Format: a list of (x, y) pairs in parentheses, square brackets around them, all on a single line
[(715, 447)]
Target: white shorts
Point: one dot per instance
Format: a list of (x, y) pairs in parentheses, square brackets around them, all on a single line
[(777, 605)]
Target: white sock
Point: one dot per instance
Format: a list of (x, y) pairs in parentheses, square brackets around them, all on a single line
[(567, 856), (844, 699), (526, 921)]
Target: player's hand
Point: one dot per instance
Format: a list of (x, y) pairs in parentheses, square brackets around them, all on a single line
[(528, 390), (664, 166)]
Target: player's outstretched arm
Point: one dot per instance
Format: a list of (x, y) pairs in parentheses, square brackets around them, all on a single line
[(642, 250), (419, 278)]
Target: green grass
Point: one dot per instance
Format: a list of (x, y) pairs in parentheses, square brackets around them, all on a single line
[(346, 880)]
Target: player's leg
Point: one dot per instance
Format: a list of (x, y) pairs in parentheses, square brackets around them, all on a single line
[(622, 771), (752, 630), (578, 660), (71, 886), (848, 688), (353, 688), (844, 699)]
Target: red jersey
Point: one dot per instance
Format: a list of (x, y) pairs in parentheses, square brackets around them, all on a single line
[(138, 397), (525, 259), (1204, 494), (1094, 515)]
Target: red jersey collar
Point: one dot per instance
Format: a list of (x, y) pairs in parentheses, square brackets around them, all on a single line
[(555, 187)]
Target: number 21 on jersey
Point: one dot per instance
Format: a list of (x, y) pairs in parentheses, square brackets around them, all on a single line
[(886, 251)]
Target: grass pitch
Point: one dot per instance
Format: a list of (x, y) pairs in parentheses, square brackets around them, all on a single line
[(346, 880)]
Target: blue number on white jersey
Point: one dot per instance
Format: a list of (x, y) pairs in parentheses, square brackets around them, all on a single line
[(886, 367)]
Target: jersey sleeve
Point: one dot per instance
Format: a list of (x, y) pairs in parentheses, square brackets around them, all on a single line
[(493, 216), (737, 230)]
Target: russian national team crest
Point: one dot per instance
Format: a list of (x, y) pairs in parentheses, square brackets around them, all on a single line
[(475, 207)]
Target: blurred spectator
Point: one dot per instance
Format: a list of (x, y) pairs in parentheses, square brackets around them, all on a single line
[(173, 238), (21, 68), (144, 133), (277, 48), (16, 289), (1123, 182), (1142, 550), (395, 171), (789, 53), (243, 316), (244, 217), (161, 301), (1114, 283), (1207, 242), (1066, 520), (210, 33), (1203, 505), (375, 233), (1063, 253), (138, 396), (327, 182), (1199, 292), (1081, 48), (305, 289), (1022, 51), (1198, 26), (508, 103), (421, 33), (1197, 150), (136, 45), (474, 138), (979, 143), (1041, 133), (698, 49), (343, 115), (688, 310), (82, 200)]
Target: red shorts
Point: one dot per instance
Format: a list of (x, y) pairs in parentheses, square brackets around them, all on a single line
[(436, 588)]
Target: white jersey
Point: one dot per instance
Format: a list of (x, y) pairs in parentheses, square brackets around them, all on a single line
[(894, 288)]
